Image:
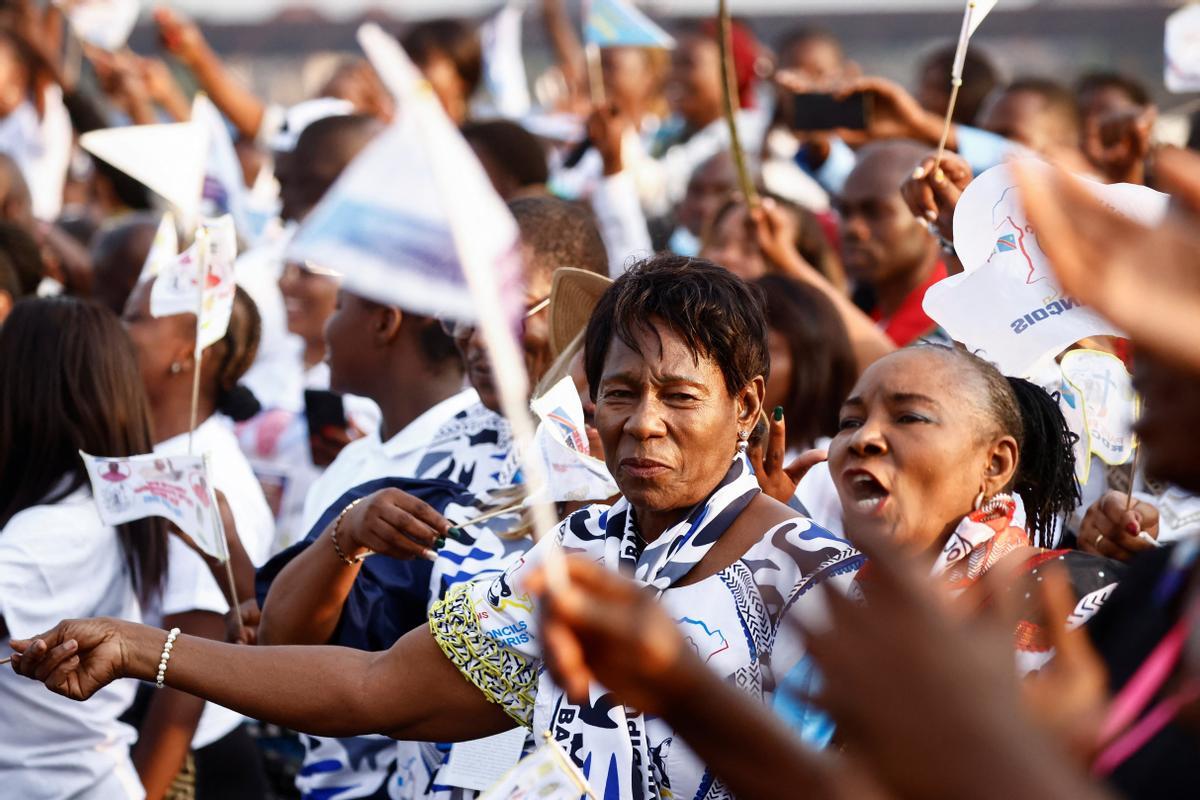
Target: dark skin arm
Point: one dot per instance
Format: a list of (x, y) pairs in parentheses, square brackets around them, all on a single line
[(604, 628), (166, 733), (410, 691), (306, 599)]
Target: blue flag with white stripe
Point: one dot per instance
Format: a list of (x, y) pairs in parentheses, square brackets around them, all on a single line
[(617, 23)]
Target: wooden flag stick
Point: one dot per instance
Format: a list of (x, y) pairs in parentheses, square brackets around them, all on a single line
[(728, 92), (941, 151), (1133, 468), (4, 661), (956, 71), (202, 251), (595, 71), (499, 512), (235, 605)]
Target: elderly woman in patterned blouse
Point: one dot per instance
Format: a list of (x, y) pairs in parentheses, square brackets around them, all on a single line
[(676, 358)]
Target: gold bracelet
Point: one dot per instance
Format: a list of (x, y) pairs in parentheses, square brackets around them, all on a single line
[(337, 524)]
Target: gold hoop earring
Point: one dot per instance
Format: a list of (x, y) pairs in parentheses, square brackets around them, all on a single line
[(979, 498)]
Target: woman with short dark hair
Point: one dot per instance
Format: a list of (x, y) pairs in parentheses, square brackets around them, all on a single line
[(57, 558), (677, 362)]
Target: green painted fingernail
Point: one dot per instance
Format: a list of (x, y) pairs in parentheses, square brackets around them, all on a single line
[(440, 543), (778, 413), (457, 534)]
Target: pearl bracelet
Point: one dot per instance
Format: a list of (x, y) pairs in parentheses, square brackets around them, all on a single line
[(166, 656)]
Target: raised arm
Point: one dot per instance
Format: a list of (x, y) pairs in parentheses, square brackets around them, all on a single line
[(185, 41), (410, 691)]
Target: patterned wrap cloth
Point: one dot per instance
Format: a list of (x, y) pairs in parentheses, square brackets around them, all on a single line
[(733, 619)]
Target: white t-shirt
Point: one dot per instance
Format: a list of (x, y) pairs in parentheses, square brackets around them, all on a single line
[(59, 562), (368, 458), (41, 146), (190, 585)]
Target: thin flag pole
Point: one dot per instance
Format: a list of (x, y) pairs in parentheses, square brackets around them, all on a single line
[(956, 71), (198, 355), (728, 92)]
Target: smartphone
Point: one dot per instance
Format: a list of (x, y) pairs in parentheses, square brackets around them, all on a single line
[(323, 408), (824, 112)]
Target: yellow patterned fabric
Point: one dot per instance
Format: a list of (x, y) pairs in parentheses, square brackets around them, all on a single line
[(503, 675)]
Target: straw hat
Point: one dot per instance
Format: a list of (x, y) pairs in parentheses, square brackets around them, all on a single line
[(573, 296)]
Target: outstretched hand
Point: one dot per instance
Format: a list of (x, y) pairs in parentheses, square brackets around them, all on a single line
[(76, 658)]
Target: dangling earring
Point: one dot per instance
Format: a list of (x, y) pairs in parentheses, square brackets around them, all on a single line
[(176, 368), (743, 442), (979, 500)]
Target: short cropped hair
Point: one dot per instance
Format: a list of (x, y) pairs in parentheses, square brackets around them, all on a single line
[(716, 313), (511, 148), (559, 234), (1130, 87)]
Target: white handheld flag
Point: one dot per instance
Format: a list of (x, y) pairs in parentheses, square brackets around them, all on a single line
[(209, 261), (617, 23), (176, 488), (400, 247), (1109, 402), (561, 440), (1181, 50), (546, 774), (164, 249), (503, 64), (103, 23), (169, 159), (973, 16), (1006, 304), (224, 189)]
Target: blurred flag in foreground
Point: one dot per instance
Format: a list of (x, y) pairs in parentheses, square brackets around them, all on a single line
[(414, 213), (208, 262), (175, 488), (169, 159), (617, 23)]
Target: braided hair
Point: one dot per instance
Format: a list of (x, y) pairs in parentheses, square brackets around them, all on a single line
[(1045, 476)]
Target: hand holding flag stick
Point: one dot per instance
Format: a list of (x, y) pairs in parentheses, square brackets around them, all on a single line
[(973, 15), (728, 93)]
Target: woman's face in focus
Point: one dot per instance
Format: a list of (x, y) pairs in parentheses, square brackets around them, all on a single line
[(668, 424), (158, 342), (734, 248), (914, 449)]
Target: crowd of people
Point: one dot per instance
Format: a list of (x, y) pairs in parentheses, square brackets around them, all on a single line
[(840, 554)]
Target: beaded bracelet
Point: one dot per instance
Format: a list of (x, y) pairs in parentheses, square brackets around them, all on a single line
[(166, 656), (337, 526)]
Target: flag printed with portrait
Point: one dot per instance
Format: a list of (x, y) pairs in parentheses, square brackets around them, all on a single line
[(1110, 405), (545, 774), (176, 488), (1006, 304), (208, 262), (617, 23), (562, 443)]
